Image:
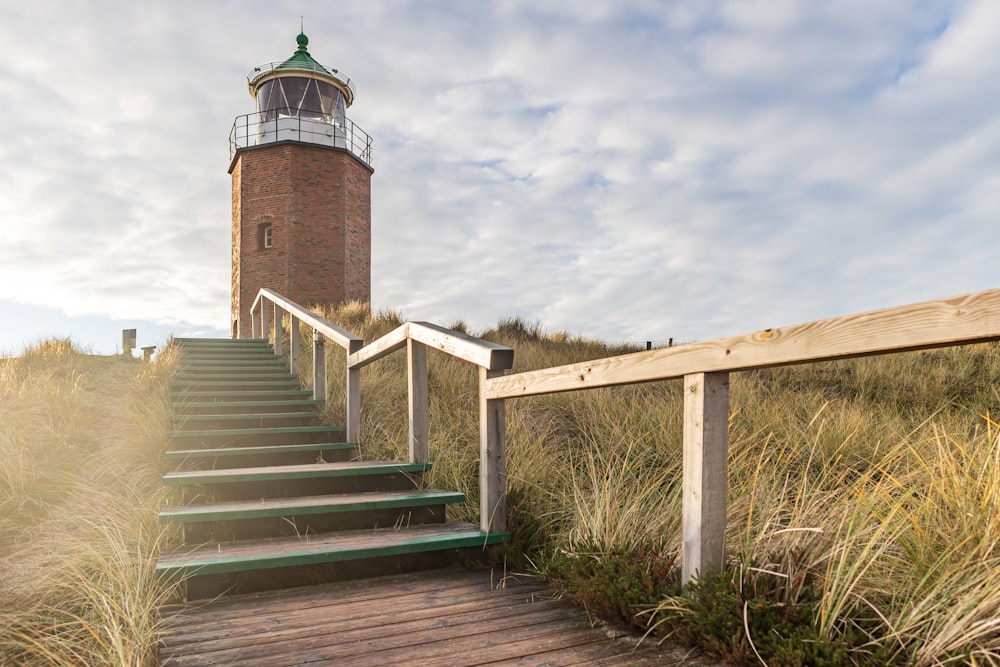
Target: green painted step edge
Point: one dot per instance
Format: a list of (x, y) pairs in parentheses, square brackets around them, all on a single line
[(251, 451), (222, 341), (236, 392), (281, 430), (251, 404), (316, 556), (235, 380), (257, 415), (197, 513), (229, 378), (307, 471), (244, 365)]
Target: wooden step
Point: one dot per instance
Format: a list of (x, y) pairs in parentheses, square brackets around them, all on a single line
[(240, 556), (242, 420), (243, 437), (343, 502), (310, 450), (252, 376), (224, 342), (286, 383), (239, 370), (180, 398), (297, 472), (224, 373), (246, 407), (308, 515)]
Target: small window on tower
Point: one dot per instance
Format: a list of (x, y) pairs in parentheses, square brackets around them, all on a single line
[(266, 236)]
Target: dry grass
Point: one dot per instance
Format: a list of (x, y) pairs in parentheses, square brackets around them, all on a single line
[(80, 440)]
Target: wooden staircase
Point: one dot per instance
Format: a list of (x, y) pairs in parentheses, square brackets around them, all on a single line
[(269, 497)]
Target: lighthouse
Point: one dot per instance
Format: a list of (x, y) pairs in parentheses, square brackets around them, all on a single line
[(301, 185)]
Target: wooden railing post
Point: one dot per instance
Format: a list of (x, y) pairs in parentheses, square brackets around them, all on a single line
[(416, 379), (319, 367), (293, 343), (492, 458), (255, 325), (264, 319), (705, 483), (278, 331), (353, 407)]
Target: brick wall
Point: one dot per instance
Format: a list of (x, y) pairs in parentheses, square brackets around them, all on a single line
[(317, 201)]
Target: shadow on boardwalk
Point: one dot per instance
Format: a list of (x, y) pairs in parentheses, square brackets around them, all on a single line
[(449, 617)]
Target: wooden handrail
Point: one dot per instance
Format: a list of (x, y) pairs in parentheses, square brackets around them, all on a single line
[(322, 330), (493, 360), (331, 331), (705, 368), (474, 350), (960, 320)]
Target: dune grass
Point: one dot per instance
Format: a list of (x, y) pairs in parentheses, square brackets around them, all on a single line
[(864, 499), (80, 441)]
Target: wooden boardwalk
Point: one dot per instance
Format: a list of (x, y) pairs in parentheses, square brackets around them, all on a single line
[(443, 617)]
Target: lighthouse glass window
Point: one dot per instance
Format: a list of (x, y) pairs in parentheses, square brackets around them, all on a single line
[(300, 97)]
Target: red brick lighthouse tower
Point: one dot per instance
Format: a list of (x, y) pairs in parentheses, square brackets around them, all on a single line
[(301, 189)]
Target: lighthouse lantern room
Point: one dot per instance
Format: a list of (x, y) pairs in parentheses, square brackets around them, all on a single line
[(301, 173)]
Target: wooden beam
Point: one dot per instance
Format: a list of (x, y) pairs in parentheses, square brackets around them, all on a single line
[(387, 344), (319, 367), (294, 343), (416, 378), (278, 330), (959, 320), (474, 350), (705, 477), (330, 330), (492, 458), (265, 324), (353, 407)]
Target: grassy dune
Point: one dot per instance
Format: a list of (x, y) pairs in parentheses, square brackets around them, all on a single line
[(864, 502), (864, 520), (80, 440)]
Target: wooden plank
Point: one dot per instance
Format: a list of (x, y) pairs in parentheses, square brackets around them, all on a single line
[(380, 347), (362, 621), (492, 458), (353, 396), (319, 367), (344, 502), (453, 617), (246, 555), (305, 471), (294, 343), (417, 403), (480, 352), (459, 583), (705, 475), (340, 336), (256, 451), (959, 320), (265, 317), (407, 638), (267, 431), (278, 332), (474, 350)]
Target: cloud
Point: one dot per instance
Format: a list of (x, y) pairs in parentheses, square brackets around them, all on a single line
[(637, 169)]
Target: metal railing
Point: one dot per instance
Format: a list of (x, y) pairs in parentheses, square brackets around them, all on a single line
[(266, 127)]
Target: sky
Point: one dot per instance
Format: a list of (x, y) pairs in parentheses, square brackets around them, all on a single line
[(631, 170)]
